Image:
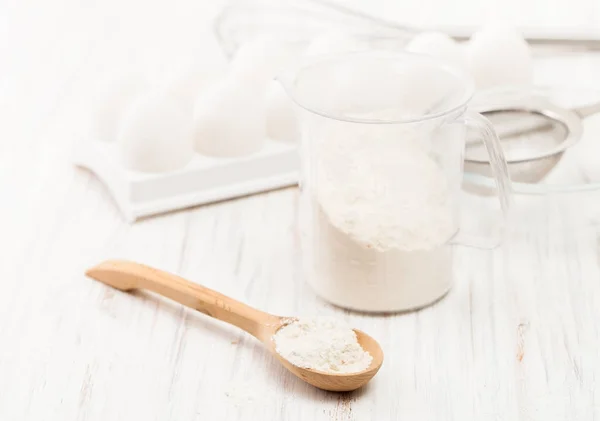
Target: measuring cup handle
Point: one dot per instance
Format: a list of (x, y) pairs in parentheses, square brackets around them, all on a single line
[(499, 168)]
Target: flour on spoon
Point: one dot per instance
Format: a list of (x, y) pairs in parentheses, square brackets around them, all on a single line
[(322, 344)]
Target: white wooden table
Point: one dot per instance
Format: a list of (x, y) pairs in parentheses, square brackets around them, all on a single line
[(518, 338)]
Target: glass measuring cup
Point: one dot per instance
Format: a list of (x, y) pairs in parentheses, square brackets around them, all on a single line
[(383, 140)]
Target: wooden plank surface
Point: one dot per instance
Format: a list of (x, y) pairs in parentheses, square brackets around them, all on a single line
[(516, 339)]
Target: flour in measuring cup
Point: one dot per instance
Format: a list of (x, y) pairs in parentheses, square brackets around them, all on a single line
[(384, 214), (385, 193)]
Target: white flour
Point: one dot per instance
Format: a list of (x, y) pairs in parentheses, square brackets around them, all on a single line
[(323, 344), (386, 193), (381, 214)]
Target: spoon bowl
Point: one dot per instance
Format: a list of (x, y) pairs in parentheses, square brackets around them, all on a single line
[(126, 276), (342, 382)]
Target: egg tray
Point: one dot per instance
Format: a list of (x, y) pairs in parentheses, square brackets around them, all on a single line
[(204, 180)]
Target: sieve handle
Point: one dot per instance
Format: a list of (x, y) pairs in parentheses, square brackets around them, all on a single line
[(588, 110), (500, 172)]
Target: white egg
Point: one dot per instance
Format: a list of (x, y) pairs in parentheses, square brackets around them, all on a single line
[(112, 97), (411, 88), (357, 86), (282, 122), (439, 45), (185, 81), (230, 119), (334, 42), (261, 59), (499, 56), (156, 135)]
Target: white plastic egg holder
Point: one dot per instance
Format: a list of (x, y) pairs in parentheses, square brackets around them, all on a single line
[(204, 180)]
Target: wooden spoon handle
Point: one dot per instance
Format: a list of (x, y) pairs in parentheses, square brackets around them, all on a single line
[(125, 276)]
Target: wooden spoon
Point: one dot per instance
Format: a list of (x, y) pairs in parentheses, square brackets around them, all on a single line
[(125, 276)]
